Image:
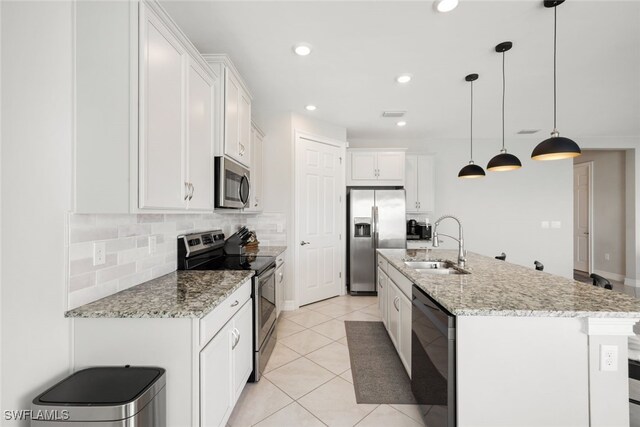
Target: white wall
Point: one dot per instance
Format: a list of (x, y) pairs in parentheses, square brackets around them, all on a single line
[(278, 158), (36, 183), (502, 212), (609, 195)]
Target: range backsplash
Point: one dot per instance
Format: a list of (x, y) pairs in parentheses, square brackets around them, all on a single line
[(128, 261)]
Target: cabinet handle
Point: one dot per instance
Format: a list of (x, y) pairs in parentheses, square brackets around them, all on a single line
[(395, 300), (192, 190), (236, 302), (186, 191), (237, 334)]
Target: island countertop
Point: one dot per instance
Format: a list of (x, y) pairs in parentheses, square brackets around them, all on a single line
[(179, 294), (498, 288)]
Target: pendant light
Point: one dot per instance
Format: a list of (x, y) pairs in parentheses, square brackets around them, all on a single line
[(556, 147), (471, 170), (503, 161)]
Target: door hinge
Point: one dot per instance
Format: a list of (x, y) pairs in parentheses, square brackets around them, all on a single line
[(339, 236), (340, 275), (340, 159)]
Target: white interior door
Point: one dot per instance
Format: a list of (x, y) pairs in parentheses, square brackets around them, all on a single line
[(581, 216), (319, 187)]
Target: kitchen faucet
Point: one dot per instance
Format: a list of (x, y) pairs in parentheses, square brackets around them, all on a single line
[(461, 251)]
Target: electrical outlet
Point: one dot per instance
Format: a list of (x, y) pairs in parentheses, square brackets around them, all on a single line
[(153, 244), (609, 358), (607, 257), (99, 253)]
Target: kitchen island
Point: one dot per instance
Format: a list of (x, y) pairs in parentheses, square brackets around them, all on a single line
[(528, 343)]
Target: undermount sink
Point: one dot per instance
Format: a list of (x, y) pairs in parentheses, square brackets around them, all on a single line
[(435, 267)]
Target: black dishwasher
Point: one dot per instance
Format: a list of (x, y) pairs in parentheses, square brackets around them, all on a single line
[(433, 359)]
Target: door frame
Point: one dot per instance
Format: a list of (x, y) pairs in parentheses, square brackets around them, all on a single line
[(342, 145), (590, 167)]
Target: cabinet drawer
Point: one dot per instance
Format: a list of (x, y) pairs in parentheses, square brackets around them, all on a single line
[(382, 263), (214, 321), (403, 284)]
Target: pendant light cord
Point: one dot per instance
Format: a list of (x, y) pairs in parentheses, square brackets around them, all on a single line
[(503, 90), (471, 120), (555, 31)]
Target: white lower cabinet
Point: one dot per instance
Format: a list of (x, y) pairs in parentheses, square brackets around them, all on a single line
[(382, 296), (395, 309), (208, 361), (225, 365)]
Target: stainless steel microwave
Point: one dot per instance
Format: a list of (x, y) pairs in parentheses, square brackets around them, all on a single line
[(232, 184)]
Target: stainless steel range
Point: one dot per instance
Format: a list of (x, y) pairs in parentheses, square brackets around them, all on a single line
[(208, 250)]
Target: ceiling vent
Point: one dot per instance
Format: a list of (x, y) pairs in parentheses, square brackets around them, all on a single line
[(394, 114), (528, 131)]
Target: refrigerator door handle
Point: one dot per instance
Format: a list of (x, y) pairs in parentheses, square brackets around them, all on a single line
[(375, 221), (373, 227)]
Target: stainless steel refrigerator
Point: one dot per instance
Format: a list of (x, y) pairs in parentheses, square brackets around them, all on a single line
[(376, 220)]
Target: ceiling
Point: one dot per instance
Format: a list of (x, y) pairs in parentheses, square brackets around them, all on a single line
[(359, 47)]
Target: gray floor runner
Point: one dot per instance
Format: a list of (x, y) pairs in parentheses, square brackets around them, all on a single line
[(378, 373)]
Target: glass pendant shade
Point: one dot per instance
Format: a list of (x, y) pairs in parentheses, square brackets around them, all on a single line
[(504, 162), (556, 148), (471, 171)]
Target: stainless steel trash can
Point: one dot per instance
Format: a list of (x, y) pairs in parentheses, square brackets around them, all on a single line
[(105, 397)]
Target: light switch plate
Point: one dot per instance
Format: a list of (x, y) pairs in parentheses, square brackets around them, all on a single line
[(544, 224), (556, 224), (153, 245)]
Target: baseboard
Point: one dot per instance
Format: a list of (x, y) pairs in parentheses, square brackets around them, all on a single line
[(289, 305), (631, 282), (611, 276)]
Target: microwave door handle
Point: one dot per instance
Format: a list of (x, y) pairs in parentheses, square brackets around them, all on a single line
[(243, 199)]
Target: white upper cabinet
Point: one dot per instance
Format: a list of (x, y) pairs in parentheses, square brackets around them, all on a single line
[(419, 183), (176, 122), (146, 112), (375, 168), (234, 139), (200, 138), (255, 199), (162, 136)]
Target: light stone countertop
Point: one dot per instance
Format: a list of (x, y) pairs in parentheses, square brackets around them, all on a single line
[(499, 288), (179, 294), (267, 250)]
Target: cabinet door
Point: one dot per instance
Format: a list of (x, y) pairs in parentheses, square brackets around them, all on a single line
[(411, 182), (231, 116), (390, 166), (382, 296), (393, 310), (405, 332), (255, 204), (243, 347), (244, 128), (200, 137), (216, 387), (363, 166), (162, 148), (426, 187)]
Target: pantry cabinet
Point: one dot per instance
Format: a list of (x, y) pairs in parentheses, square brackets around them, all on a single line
[(375, 168), (419, 183)]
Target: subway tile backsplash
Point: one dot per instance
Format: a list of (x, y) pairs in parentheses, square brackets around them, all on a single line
[(128, 261)]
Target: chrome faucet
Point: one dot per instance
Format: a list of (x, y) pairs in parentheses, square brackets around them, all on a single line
[(462, 253)]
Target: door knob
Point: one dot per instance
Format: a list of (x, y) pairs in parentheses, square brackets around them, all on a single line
[(302, 243)]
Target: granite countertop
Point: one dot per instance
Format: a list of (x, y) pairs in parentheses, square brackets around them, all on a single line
[(179, 294), (499, 288), (267, 250)]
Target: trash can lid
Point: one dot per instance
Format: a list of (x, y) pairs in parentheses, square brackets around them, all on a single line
[(101, 386)]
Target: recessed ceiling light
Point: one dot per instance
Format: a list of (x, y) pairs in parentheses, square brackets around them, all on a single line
[(302, 49), (404, 78), (445, 5), (310, 107), (402, 123)]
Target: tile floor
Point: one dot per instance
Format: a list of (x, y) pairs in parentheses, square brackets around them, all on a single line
[(308, 378)]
